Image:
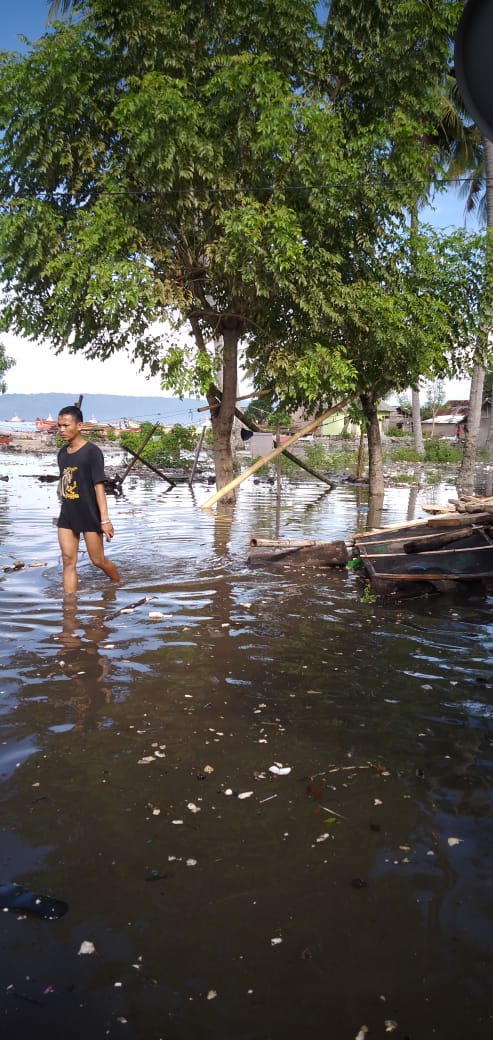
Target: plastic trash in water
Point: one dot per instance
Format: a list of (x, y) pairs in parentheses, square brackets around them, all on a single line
[(15, 897)]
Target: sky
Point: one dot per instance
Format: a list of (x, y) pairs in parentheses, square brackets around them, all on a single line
[(37, 368)]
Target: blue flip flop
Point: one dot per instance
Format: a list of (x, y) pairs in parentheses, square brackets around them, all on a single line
[(15, 897)]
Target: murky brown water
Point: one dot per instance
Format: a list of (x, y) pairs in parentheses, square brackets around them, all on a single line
[(357, 889)]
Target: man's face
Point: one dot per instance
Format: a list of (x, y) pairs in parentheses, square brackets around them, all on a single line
[(68, 427)]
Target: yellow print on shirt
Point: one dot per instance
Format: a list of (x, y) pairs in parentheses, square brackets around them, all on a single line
[(68, 487)]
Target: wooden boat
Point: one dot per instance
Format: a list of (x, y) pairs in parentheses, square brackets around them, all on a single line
[(5, 438), (46, 425), (437, 552)]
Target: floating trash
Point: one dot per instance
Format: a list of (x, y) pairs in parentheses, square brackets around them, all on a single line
[(15, 897)]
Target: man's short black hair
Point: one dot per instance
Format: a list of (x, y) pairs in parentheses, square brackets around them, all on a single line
[(74, 411)]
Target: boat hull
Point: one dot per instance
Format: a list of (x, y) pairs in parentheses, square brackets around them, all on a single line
[(410, 555)]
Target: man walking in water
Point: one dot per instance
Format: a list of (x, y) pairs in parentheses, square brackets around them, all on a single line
[(84, 507)]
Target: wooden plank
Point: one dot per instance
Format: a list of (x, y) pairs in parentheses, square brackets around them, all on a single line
[(460, 519), (436, 541)]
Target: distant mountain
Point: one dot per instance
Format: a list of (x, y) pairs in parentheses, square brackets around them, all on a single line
[(105, 408)]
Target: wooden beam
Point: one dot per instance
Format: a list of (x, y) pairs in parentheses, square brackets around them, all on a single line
[(149, 465), (244, 397), (312, 425)]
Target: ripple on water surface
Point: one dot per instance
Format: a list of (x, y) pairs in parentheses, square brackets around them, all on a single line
[(128, 713)]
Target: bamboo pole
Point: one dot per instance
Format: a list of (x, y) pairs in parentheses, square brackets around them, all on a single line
[(197, 453), (281, 542), (312, 425)]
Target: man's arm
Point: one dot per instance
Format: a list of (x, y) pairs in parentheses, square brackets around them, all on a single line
[(106, 525)]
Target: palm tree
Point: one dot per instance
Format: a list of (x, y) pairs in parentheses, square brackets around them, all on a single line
[(58, 8), (469, 162), (454, 145), (478, 192)]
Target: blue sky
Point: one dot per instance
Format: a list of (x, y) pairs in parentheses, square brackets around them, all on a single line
[(26, 17), (37, 368)]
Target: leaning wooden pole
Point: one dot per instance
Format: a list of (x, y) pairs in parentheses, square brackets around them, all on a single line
[(141, 448), (197, 453), (254, 427), (312, 425), (154, 469)]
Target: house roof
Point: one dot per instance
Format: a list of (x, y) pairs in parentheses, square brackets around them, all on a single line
[(445, 420)]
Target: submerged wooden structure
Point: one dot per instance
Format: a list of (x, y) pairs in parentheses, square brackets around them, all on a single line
[(442, 553), (292, 552)]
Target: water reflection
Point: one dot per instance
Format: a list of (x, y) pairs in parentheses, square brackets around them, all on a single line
[(81, 661), (115, 702)]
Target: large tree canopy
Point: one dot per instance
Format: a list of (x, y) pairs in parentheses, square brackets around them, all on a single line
[(222, 165)]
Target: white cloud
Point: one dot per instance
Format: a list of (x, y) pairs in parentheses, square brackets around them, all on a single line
[(38, 370)]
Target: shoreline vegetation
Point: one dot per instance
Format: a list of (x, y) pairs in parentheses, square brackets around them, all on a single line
[(337, 457)]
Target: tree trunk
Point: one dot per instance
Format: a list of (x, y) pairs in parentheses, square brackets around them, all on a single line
[(222, 417), (417, 428), (375, 461), (489, 438), (465, 480), (488, 164)]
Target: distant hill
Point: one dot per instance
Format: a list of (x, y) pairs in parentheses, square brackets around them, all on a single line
[(105, 408)]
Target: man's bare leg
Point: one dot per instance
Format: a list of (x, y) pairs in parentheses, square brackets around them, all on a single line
[(94, 543), (69, 545)]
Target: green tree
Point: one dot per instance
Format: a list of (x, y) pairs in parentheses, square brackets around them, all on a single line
[(5, 364), (224, 166), (398, 323), (414, 309), (435, 399), (151, 161)]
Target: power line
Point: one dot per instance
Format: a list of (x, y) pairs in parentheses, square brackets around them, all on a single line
[(204, 190)]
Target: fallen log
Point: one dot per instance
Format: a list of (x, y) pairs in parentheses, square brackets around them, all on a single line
[(323, 554)]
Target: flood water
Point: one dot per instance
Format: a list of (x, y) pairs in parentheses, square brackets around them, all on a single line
[(351, 888)]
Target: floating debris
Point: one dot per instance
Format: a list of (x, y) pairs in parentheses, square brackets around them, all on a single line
[(15, 897)]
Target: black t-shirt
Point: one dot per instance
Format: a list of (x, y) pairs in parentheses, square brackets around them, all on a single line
[(79, 472)]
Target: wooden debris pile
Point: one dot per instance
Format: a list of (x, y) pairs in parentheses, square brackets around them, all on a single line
[(464, 504)]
